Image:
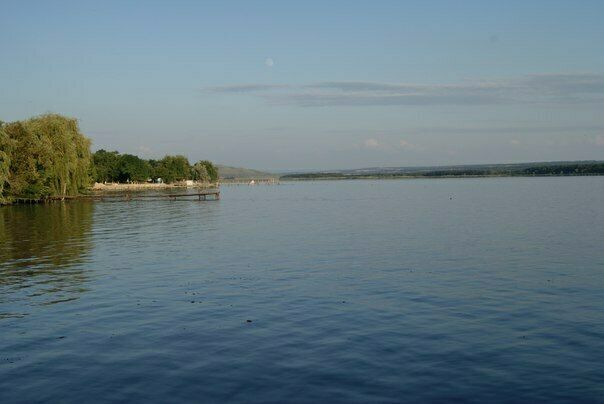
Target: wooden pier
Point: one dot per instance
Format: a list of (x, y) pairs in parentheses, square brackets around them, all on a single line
[(201, 196), (213, 194)]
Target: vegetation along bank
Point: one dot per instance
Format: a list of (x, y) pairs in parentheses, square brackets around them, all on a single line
[(47, 157)]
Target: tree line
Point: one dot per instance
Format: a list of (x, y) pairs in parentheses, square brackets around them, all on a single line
[(504, 170), (111, 166), (48, 156)]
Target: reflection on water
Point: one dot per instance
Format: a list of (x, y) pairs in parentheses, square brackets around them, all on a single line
[(42, 248)]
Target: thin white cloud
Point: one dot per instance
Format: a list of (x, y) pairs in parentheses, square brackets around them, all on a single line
[(599, 140), (391, 147), (539, 88), (405, 145), (245, 88), (565, 85), (372, 143), (459, 130)]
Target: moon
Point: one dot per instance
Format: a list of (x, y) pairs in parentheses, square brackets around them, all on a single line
[(269, 62)]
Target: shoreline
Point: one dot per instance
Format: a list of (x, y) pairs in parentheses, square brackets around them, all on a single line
[(98, 190), (111, 187), (431, 177)]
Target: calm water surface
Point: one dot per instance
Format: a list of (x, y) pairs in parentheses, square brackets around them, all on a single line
[(368, 291)]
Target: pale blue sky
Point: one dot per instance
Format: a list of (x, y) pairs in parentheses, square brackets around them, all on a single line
[(314, 84)]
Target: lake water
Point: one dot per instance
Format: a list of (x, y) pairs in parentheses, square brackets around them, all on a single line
[(367, 291)]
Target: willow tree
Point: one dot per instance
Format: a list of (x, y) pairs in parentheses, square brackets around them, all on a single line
[(199, 172), (24, 176), (5, 154), (210, 168), (49, 157)]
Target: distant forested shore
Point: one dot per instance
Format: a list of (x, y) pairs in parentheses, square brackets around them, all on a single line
[(570, 168), (47, 157)]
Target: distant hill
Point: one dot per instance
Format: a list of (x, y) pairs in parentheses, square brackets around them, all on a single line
[(237, 173), (553, 168)]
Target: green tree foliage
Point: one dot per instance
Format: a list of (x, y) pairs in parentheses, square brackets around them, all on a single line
[(115, 167), (132, 168), (199, 172), (174, 168), (25, 177), (155, 169), (210, 168), (47, 156), (106, 165), (5, 153), (567, 169)]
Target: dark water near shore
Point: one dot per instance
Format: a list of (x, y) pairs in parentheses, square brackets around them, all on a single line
[(473, 290)]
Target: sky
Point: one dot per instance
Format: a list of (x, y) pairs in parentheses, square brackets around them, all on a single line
[(303, 85)]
